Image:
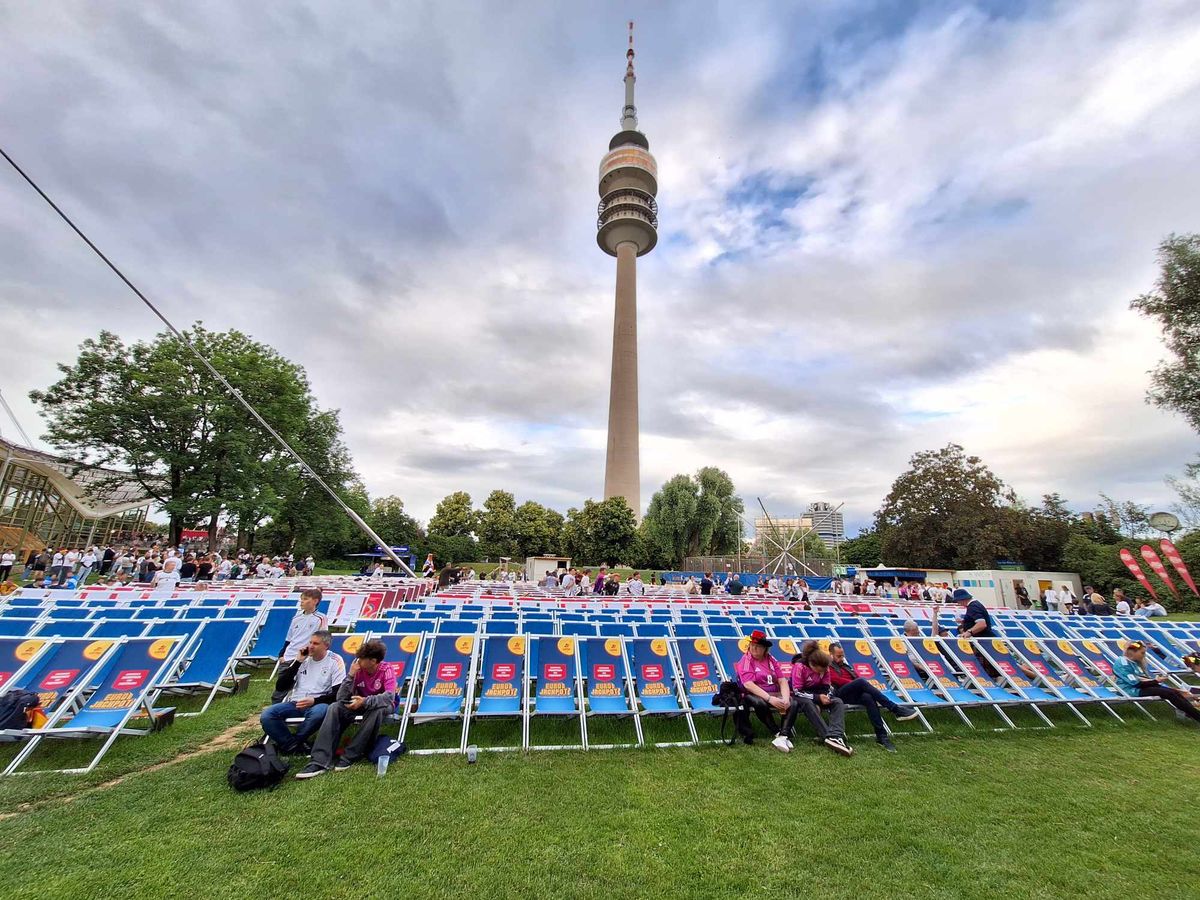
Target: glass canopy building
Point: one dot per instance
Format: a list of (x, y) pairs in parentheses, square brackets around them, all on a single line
[(48, 501)]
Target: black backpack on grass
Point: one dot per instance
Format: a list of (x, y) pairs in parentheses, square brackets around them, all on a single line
[(729, 696), (256, 767), (14, 707)]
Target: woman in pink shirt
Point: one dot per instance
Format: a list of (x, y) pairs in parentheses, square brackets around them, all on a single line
[(764, 689)]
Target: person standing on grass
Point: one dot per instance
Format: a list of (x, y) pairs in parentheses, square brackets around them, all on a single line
[(706, 584), (1131, 674), (853, 690), (764, 689), (635, 586), (370, 691), (7, 560), (311, 683)]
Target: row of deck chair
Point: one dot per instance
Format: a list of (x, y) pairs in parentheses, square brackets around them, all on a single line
[(465, 678), (88, 689)]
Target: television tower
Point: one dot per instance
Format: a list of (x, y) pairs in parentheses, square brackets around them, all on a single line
[(628, 228)]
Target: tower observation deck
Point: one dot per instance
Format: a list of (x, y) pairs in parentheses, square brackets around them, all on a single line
[(627, 227)]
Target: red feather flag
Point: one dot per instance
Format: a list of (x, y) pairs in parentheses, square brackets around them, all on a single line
[(1160, 570), (1132, 565), (1176, 560)]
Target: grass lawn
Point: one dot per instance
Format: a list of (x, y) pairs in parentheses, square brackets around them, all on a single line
[(1101, 812)]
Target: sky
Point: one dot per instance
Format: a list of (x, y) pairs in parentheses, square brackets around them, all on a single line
[(884, 227)]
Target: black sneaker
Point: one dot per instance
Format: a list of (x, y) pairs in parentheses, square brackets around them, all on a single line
[(342, 764), (886, 743), (839, 745), (905, 713), (747, 739), (312, 770)]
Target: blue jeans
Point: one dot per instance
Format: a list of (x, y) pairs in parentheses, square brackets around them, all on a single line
[(274, 722)]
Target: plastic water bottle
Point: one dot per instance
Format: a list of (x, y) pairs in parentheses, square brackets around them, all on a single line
[(381, 767), (472, 753)]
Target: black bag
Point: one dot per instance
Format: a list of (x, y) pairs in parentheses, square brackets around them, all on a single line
[(728, 695), (256, 767), (13, 706)]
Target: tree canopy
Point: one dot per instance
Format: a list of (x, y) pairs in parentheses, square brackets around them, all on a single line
[(1175, 303), (149, 408)]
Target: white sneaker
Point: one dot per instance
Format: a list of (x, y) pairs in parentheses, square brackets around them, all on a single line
[(782, 744), (791, 746)]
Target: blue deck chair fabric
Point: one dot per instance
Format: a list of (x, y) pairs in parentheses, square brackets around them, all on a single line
[(17, 653), (18, 627), (119, 613), (894, 652), (1067, 655), (730, 650), (346, 646), (616, 629), (400, 651), (607, 677), (690, 630), (653, 675), (539, 627), (580, 629), (60, 670), (119, 628), (961, 651), (502, 691), (133, 670), (458, 626), (64, 628), (701, 673), (556, 673), (213, 650), (273, 633), (445, 689), (652, 630), (1039, 658), (1004, 658), (862, 661)]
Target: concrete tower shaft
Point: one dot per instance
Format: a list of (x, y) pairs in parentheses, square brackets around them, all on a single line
[(627, 227)]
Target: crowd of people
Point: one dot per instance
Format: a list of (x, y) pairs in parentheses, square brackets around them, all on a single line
[(154, 565)]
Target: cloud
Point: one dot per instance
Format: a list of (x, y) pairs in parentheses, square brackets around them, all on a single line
[(883, 228)]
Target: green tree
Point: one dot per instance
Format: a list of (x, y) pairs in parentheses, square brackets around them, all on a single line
[(537, 531), (671, 522), (498, 525), (692, 516), (604, 531), (389, 520), (454, 516), (864, 549), (1175, 303), (944, 512), (149, 408)]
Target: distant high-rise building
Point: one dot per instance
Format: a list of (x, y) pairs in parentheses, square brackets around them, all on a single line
[(827, 522), (627, 228)]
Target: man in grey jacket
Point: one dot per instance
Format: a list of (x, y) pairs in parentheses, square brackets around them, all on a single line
[(370, 691)]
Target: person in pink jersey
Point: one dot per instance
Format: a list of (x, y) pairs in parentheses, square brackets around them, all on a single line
[(764, 689)]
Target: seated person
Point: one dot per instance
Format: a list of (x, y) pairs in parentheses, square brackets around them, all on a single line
[(1098, 606), (1130, 672), (860, 692), (369, 690), (812, 694), (311, 683), (764, 689), (1122, 603), (1149, 609)]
